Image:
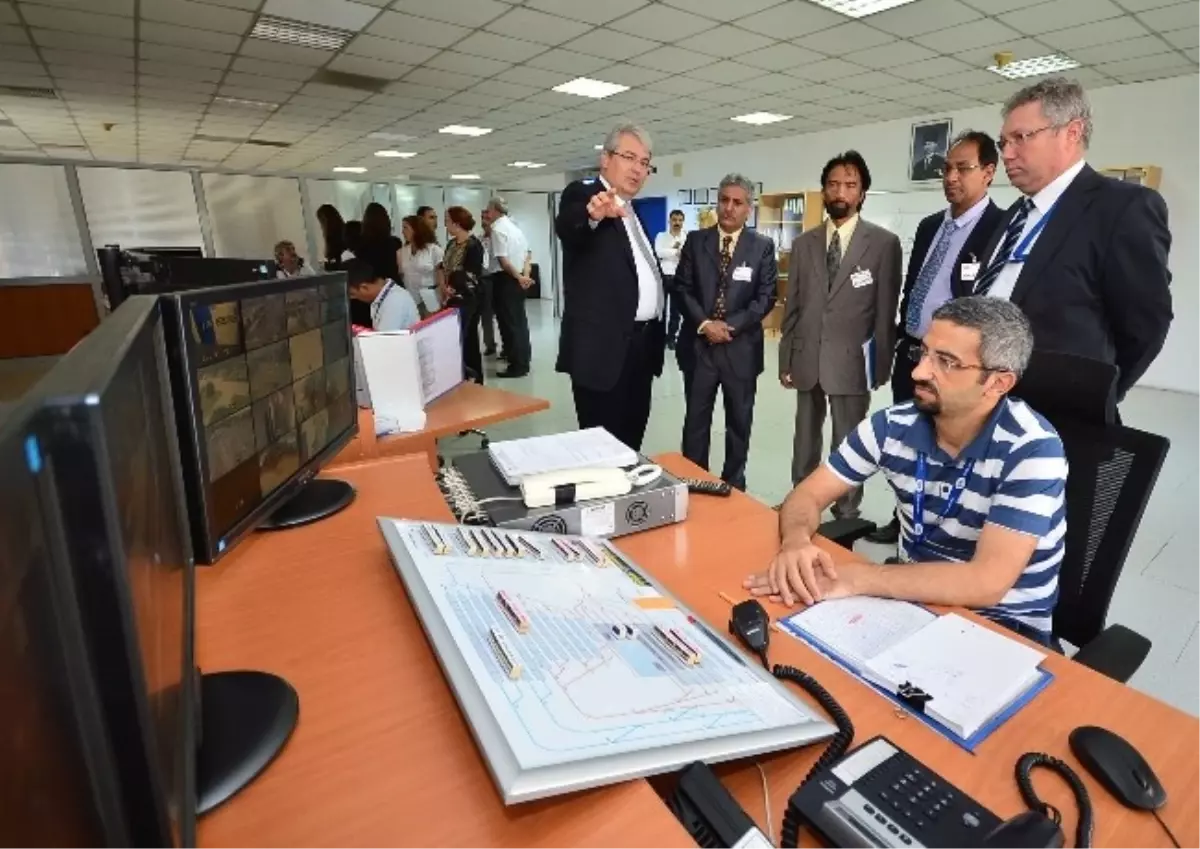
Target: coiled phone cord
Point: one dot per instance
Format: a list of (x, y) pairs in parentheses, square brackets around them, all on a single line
[(1030, 760)]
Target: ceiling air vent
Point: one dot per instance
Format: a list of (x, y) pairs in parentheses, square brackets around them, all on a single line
[(357, 82), (32, 92), (268, 143)]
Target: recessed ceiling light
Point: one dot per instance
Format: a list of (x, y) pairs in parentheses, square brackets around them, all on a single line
[(584, 87), (1035, 66), (536, 165), (860, 8), (524, 164), (390, 136), (759, 118), (394, 154), (464, 176), (598, 147), (460, 130), (298, 32), (350, 169), (250, 104)]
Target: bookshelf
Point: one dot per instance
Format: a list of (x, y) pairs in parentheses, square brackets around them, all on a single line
[(782, 216), (1149, 176)]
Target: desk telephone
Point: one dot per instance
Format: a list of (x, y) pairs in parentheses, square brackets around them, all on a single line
[(566, 487)]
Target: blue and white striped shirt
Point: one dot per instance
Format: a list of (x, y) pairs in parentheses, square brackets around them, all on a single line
[(1017, 482)]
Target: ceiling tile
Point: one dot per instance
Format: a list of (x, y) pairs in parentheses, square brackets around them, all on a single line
[(375, 47), (998, 7), (13, 35), (266, 95), (499, 47), (792, 19), (159, 33), (537, 26), (200, 15), (473, 98), (258, 67), (611, 44), (630, 75), (639, 97), (342, 14), (384, 70), (462, 63), (587, 10), (469, 13), (1171, 17), (87, 60), (871, 82), (827, 69), (1192, 53), (1048, 17), (780, 57), (662, 22), (203, 58), (965, 36), (725, 73), (940, 67), (108, 26), (844, 38), (890, 55), (525, 75), (180, 70), (773, 84), (568, 64), (680, 85), (1100, 32), (504, 90), (726, 94), (923, 16), (104, 7), (1147, 45), (85, 43), (416, 30), (721, 10), (1021, 48), (900, 90), (726, 41), (256, 48), (1161, 62), (1183, 38), (672, 60), (440, 79)]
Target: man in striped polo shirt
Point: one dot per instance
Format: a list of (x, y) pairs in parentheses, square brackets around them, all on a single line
[(984, 473)]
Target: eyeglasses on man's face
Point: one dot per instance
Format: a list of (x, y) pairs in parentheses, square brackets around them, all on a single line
[(944, 363), (633, 159), (962, 168), (1020, 138)]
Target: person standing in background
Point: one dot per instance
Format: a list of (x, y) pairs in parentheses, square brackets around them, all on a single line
[(945, 252), (685, 355), (462, 269), (612, 339), (420, 264), (289, 263), (839, 324), (430, 216), (509, 256), (333, 236), (487, 298), (667, 246), (378, 245), (726, 278), (1084, 256)]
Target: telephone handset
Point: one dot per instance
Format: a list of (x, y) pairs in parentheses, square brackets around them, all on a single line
[(566, 487)]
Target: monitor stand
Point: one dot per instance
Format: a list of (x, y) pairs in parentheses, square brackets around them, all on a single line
[(245, 719), (317, 499)]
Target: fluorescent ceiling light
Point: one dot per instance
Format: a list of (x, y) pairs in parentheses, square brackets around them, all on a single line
[(1035, 66), (598, 147), (298, 32), (251, 104), (350, 169), (759, 118), (394, 154), (339, 14), (459, 130), (464, 176), (390, 136), (536, 165), (583, 87), (860, 8), (524, 164)]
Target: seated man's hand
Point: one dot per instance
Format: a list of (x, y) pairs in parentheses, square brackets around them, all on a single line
[(802, 573)]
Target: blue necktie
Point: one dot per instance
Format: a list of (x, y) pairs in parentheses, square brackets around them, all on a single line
[(912, 321), (1011, 233)]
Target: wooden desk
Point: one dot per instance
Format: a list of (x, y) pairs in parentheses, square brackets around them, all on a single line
[(467, 406), (382, 755), (702, 559)]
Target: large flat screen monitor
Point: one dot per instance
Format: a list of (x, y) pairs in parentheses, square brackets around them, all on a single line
[(57, 775), (264, 389), (107, 440)]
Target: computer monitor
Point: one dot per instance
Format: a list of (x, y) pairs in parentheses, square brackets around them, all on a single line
[(107, 436), (195, 252), (264, 397), (58, 782), (179, 273)]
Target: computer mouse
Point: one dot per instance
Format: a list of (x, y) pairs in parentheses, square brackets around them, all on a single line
[(1030, 828), (1119, 767)]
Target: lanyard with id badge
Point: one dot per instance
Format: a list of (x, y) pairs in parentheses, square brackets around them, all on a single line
[(920, 529), (1021, 252)]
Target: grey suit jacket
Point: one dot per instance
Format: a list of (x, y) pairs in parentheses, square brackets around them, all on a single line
[(824, 327)]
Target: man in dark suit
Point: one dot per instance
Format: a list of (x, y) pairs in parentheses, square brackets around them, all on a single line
[(726, 277), (1084, 256), (946, 250), (612, 338), (930, 163)]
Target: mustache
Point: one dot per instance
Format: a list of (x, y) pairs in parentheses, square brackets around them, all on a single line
[(929, 387)]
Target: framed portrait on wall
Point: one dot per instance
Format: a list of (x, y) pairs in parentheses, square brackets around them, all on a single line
[(927, 153)]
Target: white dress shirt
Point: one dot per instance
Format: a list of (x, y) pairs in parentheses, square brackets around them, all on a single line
[(1006, 281), (507, 241), (668, 248), (420, 273), (650, 296)]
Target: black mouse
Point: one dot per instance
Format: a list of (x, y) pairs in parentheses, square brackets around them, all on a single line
[(1030, 828), (1119, 767)]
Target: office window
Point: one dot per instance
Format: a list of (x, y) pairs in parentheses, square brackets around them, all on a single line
[(38, 234), (250, 214), (139, 207)]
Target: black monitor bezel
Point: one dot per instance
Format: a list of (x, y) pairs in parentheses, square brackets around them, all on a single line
[(72, 433), (208, 546)]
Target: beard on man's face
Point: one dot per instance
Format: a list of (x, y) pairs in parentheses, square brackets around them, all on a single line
[(837, 208), (929, 403)]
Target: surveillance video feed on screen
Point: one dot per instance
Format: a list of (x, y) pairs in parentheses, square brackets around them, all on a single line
[(274, 384)]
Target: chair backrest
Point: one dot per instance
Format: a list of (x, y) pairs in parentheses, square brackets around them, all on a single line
[(1112, 472), (1057, 384)]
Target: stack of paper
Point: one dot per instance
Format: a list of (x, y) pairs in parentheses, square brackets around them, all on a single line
[(594, 448)]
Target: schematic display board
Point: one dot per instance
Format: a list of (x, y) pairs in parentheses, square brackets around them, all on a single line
[(575, 669)]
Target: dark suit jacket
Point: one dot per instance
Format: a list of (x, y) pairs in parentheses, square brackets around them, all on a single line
[(933, 171), (600, 293), (973, 250), (747, 302), (1096, 282)]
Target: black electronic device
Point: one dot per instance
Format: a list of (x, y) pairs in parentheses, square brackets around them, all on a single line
[(191, 252), (748, 621), (709, 813), (1119, 767), (264, 397), (179, 273), (706, 487)]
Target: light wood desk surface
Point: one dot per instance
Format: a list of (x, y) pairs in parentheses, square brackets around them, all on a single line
[(467, 406), (704, 560), (382, 755)]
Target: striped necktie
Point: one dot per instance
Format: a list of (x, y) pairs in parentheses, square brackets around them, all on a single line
[(723, 284), (833, 257), (1011, 233), (929, 272)]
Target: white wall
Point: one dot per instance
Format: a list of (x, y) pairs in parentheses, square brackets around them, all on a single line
[(1152, 123)]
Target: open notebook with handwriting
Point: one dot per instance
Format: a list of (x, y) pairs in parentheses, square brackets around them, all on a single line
[(969, 678)]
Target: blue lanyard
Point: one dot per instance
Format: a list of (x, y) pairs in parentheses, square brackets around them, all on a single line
[(920, 530), (1021, 251), (383, 295)]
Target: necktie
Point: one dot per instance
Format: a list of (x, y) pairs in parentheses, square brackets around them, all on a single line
[(833, 257), (1011, 233), (723, 286), (929, 272)]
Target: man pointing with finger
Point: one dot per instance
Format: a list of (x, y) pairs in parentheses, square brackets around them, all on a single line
[(978, 477), (612, 336)]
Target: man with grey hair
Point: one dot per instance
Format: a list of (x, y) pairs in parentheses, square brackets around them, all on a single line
[(1084, 256), (507, 259), (613, 337), (726, 278), (979, 480)]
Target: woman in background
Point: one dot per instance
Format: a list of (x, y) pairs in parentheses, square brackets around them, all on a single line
[(360, 313), (420, 264), (377, 245), (333, 235), (462, 269)]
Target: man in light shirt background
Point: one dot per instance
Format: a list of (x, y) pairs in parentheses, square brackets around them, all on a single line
[(667, 246)]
